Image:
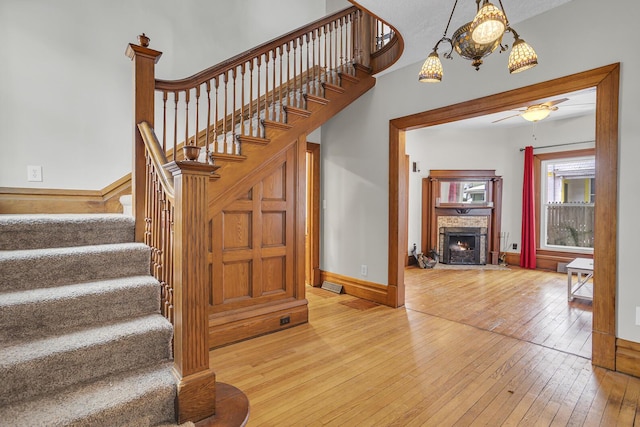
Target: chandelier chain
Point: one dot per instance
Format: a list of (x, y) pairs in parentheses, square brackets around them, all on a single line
[(450, 16), (505, 13)]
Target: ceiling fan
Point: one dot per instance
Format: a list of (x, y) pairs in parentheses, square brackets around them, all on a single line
[(536, 112)]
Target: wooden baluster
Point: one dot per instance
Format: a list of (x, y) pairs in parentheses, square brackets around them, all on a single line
[(325, 57), (335, 51), (314, 71), (341, 44), (258, 65), (186, 116), (176, 97), (308, 80), (288, 89), (242, 97), (356, 37), (295, 74), (207, 133), (233, 141), (251, 100), (164, 120), (147, 205), (195, 136), (273, 86), (225, 101), (347, 43), (282, 103), (300, 75), (330, 36), (215, 120), (266, 89)]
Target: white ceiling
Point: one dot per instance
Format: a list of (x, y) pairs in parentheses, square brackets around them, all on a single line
[(422, 23)]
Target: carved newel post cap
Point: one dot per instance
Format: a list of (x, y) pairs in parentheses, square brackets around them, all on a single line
[(191, 152), (143, 40)]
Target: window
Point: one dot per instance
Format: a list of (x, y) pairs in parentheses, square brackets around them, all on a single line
[(567, 204)]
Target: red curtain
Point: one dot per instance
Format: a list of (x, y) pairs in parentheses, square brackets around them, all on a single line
[(528, 243)]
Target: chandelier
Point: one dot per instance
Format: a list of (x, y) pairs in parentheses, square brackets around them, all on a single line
[(477, 39)]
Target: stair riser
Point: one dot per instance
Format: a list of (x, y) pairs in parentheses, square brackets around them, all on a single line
[(44, 316), (141, 398), (56, 231), (26, 379), (59, 268)]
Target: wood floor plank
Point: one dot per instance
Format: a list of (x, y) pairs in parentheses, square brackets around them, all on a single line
[(455, 355)]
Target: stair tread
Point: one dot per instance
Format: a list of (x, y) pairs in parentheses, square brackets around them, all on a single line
[(102, 402), (34, 313), (30, 231), (19, 351), (39, 268), (74, 290), (67, 250)]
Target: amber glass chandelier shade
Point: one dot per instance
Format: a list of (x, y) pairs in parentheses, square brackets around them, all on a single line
[(488, 25), (431, 71), (522, 57)]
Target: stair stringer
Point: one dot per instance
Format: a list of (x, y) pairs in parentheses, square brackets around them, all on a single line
[(232, 173)]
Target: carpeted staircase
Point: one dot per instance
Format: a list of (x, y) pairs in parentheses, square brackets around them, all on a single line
[(83, 342)]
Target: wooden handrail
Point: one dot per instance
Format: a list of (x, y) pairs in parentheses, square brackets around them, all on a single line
[(158, 157), (209, 73)]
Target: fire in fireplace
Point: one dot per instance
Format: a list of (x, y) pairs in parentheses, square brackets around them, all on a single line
[(463, 245)]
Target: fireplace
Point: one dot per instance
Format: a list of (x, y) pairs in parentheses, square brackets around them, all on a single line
[(463, 245)]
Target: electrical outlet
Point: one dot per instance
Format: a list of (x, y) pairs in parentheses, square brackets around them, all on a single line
[(34, 173), (363, 270), (514, 246), (285, 320)]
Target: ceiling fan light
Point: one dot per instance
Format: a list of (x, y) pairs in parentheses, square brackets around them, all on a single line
[(431, 71), (535, 113), (488, 25), (522, 57)]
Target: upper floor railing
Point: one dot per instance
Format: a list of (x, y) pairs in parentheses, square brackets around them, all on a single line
[(218, 107)]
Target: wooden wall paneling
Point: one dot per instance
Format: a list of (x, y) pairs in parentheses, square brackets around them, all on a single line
[(606, 81), (55, 201), (260, 254)]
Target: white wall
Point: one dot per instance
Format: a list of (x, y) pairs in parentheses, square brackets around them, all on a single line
[(65, 83), (359, 135), (444, 147)]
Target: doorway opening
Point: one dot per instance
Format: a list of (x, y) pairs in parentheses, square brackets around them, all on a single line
[(606, 82)]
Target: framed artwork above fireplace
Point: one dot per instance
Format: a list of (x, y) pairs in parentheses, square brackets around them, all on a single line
[(461, 214)]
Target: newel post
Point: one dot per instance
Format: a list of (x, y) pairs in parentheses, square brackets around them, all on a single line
[(196, 381), (144, 60), (363, 46)]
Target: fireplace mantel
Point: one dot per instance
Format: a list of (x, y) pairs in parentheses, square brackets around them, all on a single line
[(481, 207)]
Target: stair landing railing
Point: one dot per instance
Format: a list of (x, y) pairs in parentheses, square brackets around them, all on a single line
[(214, 112)]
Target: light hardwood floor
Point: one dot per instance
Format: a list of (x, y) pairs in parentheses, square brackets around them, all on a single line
[(452, 356)]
